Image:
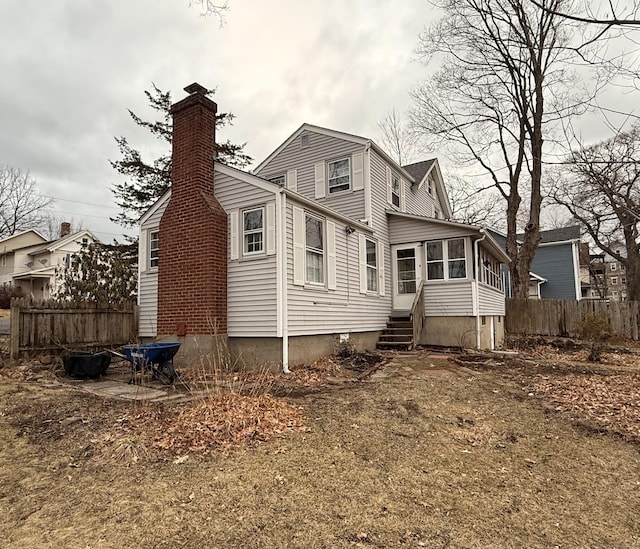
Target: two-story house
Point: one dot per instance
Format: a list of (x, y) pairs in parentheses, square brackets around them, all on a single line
[(328, 240), (28, 261)]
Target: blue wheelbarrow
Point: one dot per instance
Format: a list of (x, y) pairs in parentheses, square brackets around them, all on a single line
[(154, 357)]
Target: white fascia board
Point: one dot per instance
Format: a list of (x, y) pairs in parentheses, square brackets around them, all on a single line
[(154, 207), (441, 187), (558, 242), (246, 177), (313, 205)]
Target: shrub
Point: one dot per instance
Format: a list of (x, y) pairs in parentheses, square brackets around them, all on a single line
[(596, 330)]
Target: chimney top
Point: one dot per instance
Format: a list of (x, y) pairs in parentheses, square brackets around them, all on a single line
[(196, 88), (65, 229)]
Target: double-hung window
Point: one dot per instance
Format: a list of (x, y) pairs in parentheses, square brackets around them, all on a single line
[(314, 249), (253, 231), (395, 190), (446, 259), (154, 248), (339, 175), (372, 265)]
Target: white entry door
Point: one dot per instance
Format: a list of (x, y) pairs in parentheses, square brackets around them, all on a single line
[(407, 274)]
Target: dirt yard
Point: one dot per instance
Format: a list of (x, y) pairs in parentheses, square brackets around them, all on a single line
[(538, 449)]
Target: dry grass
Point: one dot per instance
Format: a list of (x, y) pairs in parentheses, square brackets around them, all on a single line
[(432, 455)]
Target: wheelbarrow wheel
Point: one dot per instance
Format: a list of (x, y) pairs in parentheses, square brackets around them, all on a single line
[(165, 373)]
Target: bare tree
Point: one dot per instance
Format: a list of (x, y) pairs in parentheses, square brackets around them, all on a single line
[(397, 138), (502, 87), (474, 206), (22, 206), (208, 8), (53, 226), (600, 187)]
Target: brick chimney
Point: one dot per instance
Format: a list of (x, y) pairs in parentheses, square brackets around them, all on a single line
[(192, 262), (65, 229)]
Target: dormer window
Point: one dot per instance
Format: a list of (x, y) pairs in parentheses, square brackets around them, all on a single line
[(339, 175)]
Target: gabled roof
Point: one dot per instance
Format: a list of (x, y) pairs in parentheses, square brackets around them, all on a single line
[(338, 135), (4, 241), (414, 173), (54, 245), (557, 236), (420, 169)]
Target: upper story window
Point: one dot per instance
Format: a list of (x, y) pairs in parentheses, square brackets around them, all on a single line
[(395, 190), (339, 175), (304, 140), (253, 231), (430, 185), (446, 259), (614, 280), (85, 242), (314, 249), (154, 248), (278, 180), (372, 266), (614, 266)]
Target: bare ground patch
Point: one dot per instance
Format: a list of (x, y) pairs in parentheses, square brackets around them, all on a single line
[(428, 455)]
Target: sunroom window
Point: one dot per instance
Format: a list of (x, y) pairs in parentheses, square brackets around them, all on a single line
[(446, 259)]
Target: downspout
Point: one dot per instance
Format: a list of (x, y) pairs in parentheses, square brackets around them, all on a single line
[(284, 317), (476, 282)]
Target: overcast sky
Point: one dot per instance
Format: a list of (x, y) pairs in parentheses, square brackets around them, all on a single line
[(70, 69)]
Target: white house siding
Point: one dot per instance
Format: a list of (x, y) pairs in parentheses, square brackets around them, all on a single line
[(148, 278), (448, 298), (404, 229), (320, 311), (251, 283), (321, 149), (420, 202), (491, 300)]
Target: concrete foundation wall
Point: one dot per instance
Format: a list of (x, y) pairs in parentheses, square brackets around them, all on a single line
[(260, 352), (460, 331)]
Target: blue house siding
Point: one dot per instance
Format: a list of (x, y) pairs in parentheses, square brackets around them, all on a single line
[(555, 263)]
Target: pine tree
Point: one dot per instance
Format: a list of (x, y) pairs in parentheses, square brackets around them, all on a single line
[(147, 181)]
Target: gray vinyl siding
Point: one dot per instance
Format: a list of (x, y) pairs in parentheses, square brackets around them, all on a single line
[(490, 300), (555, 263), (403, 230), (251, 284), (322, 148), (420, 202), (148, 281), (313, 310), (448, 298)]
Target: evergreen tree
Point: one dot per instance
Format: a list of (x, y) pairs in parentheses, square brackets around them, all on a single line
[(147, 181)]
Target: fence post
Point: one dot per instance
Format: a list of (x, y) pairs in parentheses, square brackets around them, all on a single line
[(14, 330)]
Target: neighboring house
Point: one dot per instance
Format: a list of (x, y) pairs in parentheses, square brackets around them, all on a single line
[(608, 277), (557, 270), (29, 264), (328, 241)]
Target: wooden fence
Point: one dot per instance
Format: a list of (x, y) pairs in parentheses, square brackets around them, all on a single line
[(556, 317), (55, 326)]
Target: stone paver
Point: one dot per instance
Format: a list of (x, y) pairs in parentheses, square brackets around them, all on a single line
[(118, 389)]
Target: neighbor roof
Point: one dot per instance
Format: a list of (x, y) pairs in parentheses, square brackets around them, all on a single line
[(419, 169)]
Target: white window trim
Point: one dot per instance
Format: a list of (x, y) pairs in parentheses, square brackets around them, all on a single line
[(152, 249), (329, 187), (445, 260), (323, 251), (262, 230)]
